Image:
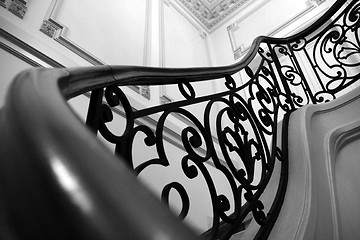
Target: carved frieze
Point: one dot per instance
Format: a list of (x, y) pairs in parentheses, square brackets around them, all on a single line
[(3, 3), (18, 8), (48, 28)]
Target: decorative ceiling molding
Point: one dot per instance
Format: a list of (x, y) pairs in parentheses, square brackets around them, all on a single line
[(211, 13)]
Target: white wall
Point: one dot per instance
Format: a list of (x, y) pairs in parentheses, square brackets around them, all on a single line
[(112, 30), (185, 45), (102, 30), (14, 66)]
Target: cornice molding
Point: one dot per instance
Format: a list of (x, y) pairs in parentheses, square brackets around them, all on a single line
[(22, 50), (19, 54)]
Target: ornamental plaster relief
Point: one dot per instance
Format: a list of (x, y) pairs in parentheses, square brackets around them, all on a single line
[(212, 13), (17, 7)]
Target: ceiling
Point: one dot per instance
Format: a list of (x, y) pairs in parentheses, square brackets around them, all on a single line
[(212, 13)]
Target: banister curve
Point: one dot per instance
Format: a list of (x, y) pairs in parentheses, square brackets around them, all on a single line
[(59, 182), (36, 118)]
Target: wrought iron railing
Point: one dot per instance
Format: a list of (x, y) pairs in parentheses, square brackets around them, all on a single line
[(226, 141), (241, 138)]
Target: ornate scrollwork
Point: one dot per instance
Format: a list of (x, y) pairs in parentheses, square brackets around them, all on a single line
[(352, 17), (337, 51), (234, 138), (265, 54), (182, 192), (258, 208), (323, 97), (298, 44), (229, 82), (291, 75), (115, 97), (238, 141), (186, 89)]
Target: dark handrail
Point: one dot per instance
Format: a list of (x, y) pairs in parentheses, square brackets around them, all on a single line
[(138, 75), (58, 181)]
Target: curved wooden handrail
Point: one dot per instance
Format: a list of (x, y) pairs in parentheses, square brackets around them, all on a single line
[(66, 184), (58, 181)]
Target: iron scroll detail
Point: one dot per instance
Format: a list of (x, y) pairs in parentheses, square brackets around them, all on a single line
[(244, 153), (233, 137)]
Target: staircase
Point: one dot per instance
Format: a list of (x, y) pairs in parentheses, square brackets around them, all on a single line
[(267, 159)]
